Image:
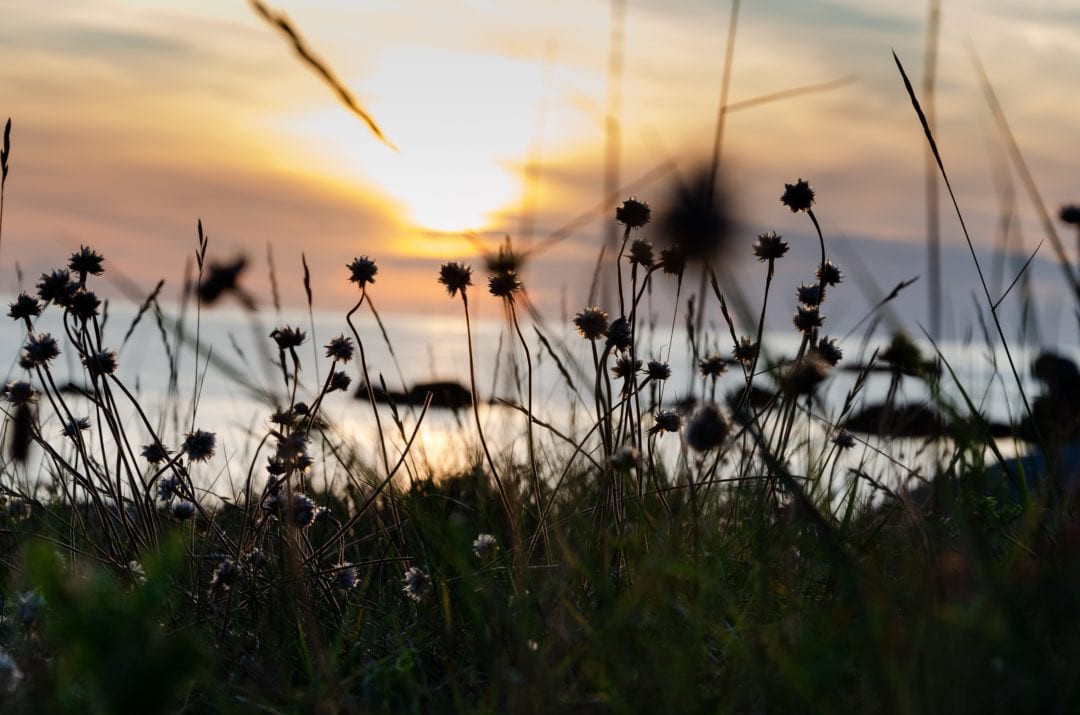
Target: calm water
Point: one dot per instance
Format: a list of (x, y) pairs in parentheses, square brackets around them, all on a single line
[(231, 388)]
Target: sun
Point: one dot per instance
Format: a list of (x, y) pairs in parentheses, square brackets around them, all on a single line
[(461, 121)]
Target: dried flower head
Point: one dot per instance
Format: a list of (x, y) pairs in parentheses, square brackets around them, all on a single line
[(168, 487), (25, 307), (829, 351), (625, 366), (745, 351), (19, 509), (345, 577), (698, 217), (633, 213), (100, 363), (340, 348), (809, 294), (844, 440), (658, 370), (10, 675), (304, 511), (282, 418), (86, 261), (619, 335), (456, 277), (224, 576), (75, 425), (54, 287), (504, 284), (798, 196), (829, 274), (362, 271), (707, 428), (199, 446), (83, 304), (808, 318), (712, 365), (20, 392), (288, 338), (182, 509), (1070, 214), (29, 607), (770, 246), (292, 445), (625, 457), (804, 376), (155, 453), (641, 253), (484, 546), (417, 584), (40, 350), (666, 421), (592, 323), (221, 278), (673, 261), (339, 382)]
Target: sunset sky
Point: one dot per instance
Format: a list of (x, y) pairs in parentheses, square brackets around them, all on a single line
[(134, 119)]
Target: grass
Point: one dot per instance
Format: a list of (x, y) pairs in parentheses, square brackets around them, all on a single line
[(737, 555)]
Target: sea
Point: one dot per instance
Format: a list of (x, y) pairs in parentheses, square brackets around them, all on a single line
[(228, 380)]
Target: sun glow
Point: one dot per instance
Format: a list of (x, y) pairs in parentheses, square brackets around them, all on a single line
[(461, 121)]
